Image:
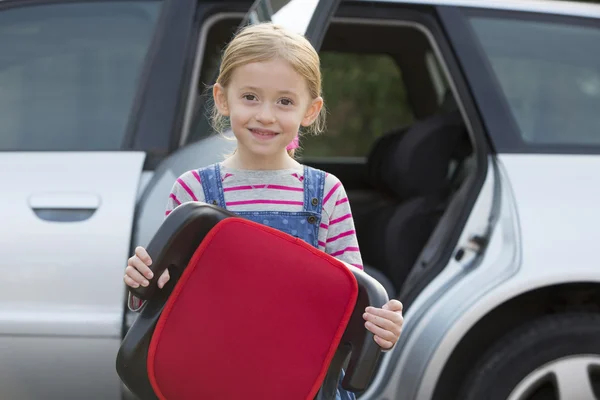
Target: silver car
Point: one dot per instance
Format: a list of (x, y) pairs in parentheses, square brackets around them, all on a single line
[(467, 134)]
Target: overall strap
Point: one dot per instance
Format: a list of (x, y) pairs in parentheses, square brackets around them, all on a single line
[(314, 185), (212, 185)]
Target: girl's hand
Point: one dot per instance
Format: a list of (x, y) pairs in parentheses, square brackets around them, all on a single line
[(385, 323), (138, 272)]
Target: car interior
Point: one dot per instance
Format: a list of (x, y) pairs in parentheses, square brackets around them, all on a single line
[(395, 136), (402, 186)]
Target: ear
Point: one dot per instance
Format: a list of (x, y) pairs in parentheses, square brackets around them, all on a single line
[(312, 112), (220, 98)]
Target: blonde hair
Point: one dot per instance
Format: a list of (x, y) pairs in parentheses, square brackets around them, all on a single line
[(266, 42)]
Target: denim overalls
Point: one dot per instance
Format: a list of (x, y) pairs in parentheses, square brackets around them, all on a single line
[(303, 224)]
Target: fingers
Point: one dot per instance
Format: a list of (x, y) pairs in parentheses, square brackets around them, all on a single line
[(385, 318), (164, 278), (133, 277), (384, 344), (384, 322), (137, 271), (384, 338), (393, 305), (131, 282), (143, 255), (141, 261)]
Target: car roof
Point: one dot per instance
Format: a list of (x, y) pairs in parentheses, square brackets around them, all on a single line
[(557, 7)]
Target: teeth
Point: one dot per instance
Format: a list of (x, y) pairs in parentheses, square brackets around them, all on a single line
[(262, 133)]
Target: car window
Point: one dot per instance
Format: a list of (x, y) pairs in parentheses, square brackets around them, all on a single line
[(549, 74), (365, 97), (219, 34), (68, 73)]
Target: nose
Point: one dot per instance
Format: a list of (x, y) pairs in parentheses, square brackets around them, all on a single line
[(265, 115)]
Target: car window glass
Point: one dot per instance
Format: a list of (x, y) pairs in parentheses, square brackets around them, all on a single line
[(549, 74), (365, 97), (68, 73)]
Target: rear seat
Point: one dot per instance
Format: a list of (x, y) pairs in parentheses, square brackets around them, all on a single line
[(409, 171)]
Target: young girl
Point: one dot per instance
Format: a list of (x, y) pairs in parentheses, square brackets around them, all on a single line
[(268, 86)]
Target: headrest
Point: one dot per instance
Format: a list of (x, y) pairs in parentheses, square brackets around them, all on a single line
[(380, 152), (414, 162)]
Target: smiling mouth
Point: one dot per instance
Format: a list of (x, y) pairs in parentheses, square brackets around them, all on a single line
[(264, 133)]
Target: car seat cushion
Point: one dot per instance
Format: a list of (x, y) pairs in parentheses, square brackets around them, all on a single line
[(280, 347), (380, 152), (406, 234), (392, 237)]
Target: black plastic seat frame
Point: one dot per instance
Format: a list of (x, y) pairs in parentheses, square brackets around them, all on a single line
[(173, 246)]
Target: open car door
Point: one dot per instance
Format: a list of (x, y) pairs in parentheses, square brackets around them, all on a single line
[(68, 75), (307, 17)]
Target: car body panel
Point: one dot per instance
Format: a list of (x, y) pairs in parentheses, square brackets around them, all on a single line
[(73, 270), (557, 249), (542, 185), (66, 368), (569, 8)]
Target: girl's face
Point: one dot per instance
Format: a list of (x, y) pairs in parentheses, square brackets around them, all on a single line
[(266, 102)]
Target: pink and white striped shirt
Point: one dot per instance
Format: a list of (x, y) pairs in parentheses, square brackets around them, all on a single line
[(280, 190)]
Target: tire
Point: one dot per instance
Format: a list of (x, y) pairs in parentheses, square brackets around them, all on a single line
[(534, 356)]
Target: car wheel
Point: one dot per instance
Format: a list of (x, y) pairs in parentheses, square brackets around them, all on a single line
[(554, 358)]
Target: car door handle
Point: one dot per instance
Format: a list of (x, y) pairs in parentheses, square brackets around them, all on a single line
[(64, 207)]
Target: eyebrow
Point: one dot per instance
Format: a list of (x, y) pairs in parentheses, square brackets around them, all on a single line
[(255, 89)]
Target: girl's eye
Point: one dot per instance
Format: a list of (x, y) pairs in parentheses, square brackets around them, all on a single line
[(286, 102), (249, 97)]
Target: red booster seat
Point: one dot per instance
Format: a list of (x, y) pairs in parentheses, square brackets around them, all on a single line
[(249, 313)]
